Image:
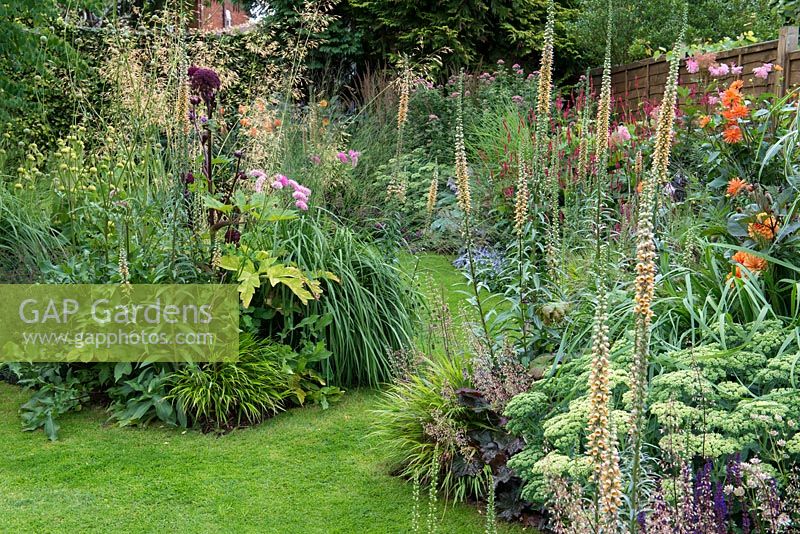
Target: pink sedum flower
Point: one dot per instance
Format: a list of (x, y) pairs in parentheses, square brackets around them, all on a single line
[(692, 66), (342, 157), (736, 70), (301, 205)]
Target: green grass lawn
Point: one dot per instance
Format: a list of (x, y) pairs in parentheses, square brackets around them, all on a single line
[(306, 470)]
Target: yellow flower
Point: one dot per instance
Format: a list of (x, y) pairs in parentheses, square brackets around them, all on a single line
[(323, 103)]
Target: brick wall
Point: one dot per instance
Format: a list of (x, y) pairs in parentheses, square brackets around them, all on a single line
[(210, 15)]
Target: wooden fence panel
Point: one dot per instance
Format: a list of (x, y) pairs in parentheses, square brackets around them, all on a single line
[(642, 83)]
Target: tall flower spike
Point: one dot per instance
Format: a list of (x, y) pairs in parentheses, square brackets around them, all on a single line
[(398, 185), (546, 66), (601, 441), (645, 263), (554, 213), (522, 197), (433, 191), (462, 170), (601, 138), (182, 107), (405, 89), (583, 143)]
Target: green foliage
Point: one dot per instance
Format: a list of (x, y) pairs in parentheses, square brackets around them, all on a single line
[(371, 309), (305, 382), (252, 268), (709, 401), (139, 395), (28, 240), (222, 396), (643, 28), (58, 389)]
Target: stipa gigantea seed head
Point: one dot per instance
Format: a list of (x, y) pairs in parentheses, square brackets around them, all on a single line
[(522, 199), (461, 166)]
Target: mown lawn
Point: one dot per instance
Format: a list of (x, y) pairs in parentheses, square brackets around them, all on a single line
[(306, 470)]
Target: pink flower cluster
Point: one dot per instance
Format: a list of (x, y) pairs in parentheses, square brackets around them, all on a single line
[(762, 71), (301, 192), (719, 70), (300, 195), (620, 135), (350, 157)]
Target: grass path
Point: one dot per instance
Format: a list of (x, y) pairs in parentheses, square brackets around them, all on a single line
[(304, 471)]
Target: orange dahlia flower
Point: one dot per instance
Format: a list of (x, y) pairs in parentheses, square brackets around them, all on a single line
[(732, 134), (737, 111), (736, 186), (703, 121), (732, 96), (765, 227), (752, 262)]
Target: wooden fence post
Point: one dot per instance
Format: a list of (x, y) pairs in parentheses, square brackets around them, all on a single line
[(787, 42)]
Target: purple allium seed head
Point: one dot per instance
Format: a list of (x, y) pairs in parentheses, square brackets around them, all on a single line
[(205, 82), (232, 235)]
